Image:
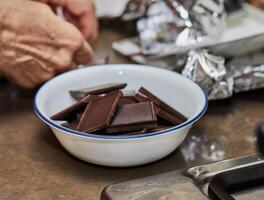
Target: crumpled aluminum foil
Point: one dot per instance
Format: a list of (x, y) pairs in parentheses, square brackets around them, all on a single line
[(219, 81), (170, 26), (210, 73), (247, 77), (136, 9)]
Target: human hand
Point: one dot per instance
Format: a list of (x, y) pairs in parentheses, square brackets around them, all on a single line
[(258, 3), (79, 12), (36, 44)]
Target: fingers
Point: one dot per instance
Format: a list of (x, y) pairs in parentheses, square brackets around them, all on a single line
[(29, 74), (62, 60), (17, 77), (84, 54), (44, 45), (89, 26), (72, 19), (82, 14), (73, 49), (86, 23), (35, 73)]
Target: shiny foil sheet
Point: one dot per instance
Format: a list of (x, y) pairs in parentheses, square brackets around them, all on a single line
[(210, 73), (247, 77), (168, 26), (136, 9), (219, 81)]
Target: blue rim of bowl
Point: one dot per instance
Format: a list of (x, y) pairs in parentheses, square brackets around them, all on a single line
[(105, 137)]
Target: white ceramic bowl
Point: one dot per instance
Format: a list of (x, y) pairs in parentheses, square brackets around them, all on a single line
[(122, 151)]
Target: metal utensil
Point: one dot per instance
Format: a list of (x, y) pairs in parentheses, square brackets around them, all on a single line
[(223, 180)]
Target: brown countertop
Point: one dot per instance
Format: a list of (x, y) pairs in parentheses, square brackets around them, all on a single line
[(35, 166)]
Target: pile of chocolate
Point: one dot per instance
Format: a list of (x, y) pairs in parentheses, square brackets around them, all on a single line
[(107, 110)]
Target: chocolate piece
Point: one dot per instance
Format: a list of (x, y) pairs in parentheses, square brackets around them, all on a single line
[(132, 117), (137, 132), (141, 98), (167, 116), (69, 113), (99, 112), (79, 116), (77, 95), (127, 100), (134, 132), (100, 89), (159, 128), (162, 104), (72, 125), (163, 122)]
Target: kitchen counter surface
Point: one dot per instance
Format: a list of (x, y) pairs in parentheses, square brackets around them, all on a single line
[(35, 166)]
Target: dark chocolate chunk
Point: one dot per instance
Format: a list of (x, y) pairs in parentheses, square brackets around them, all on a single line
[(77, 95), (132, 117), (99, 112), (141, 98), (100, 89), (167, 116), (157, 129), (71, 125), (134, 132), (104, 109), (162, 104), (79, 116), (163, 122), (137, 132), (127, 100), (69, 113)]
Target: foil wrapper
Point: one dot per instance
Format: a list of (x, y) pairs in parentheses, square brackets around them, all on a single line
[(136, 9), (171, 26), (220, 81), (247, 78), (210, 73)]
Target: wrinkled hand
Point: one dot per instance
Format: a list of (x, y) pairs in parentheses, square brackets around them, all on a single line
[(35, 44), (79, 12)]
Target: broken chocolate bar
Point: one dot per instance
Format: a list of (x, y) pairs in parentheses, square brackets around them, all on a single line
[(137, 132), (167, 116), (99, 112), (157, 129), (162, 104), (69, 113), (100, 89), (160, 112), (79, 116), (71, 125), (163, 122), (141, 98), (127, 100), (133, 117), (105, 110)]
